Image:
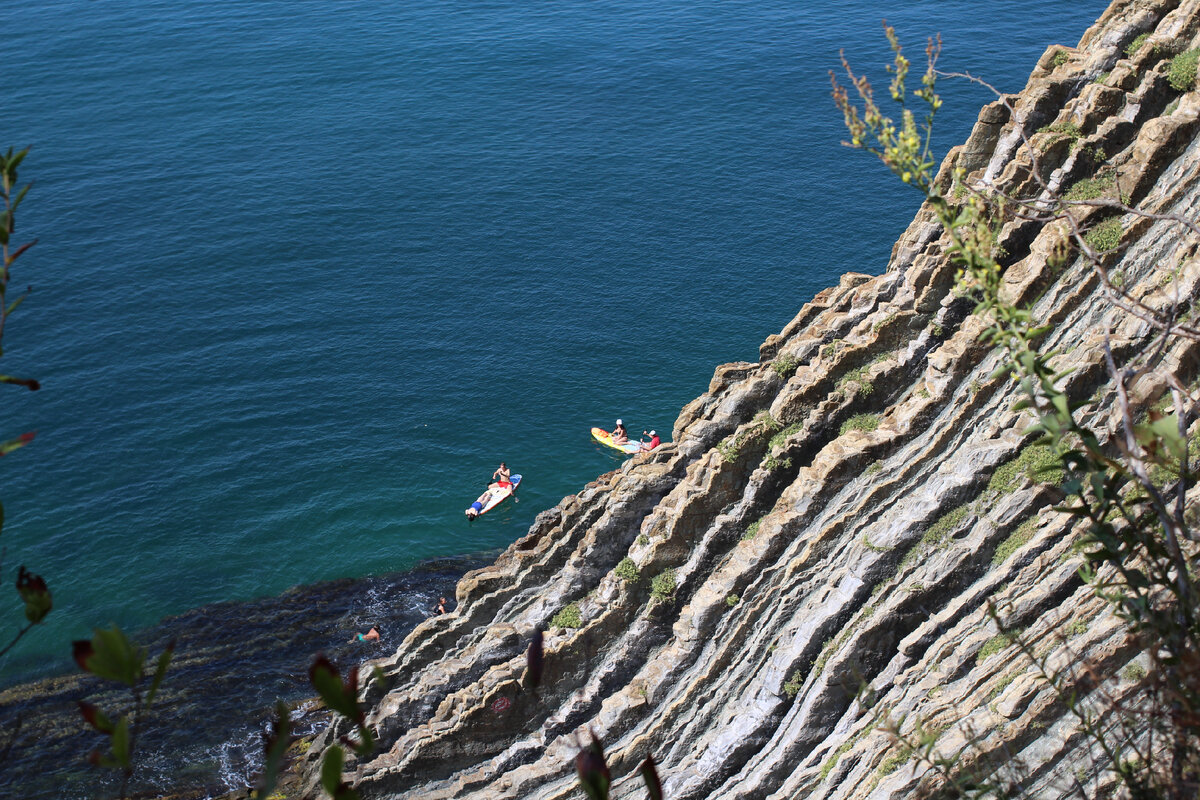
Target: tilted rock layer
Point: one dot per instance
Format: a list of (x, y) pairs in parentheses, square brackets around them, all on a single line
[(840, 512)]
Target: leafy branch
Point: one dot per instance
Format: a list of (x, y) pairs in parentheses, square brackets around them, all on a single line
[(1139, 548)]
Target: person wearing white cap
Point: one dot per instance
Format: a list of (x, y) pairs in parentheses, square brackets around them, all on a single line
[(619, 434), (653, 443)]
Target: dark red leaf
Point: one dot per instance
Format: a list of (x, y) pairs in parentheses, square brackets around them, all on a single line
[(17, 253), (95, 717), (81, 650), (593, 772), (535, 659)]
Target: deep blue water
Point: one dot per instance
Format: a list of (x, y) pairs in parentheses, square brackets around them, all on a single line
[(308, 271)]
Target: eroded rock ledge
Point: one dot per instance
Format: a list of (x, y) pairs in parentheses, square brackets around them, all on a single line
[(829, 513)]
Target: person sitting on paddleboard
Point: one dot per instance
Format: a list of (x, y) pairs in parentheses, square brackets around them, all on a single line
[(619, 434), (653, 443), (502, 476)]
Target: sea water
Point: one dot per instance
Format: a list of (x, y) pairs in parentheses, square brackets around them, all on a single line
[(307, 272)]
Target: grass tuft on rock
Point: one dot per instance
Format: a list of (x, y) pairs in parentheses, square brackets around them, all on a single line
[(782, 436), (1105, 236), (1092, 188), (785, 366), (860, 422), (993, 645), (1136, 44), (568, 617), (751, 530), (936, 534)]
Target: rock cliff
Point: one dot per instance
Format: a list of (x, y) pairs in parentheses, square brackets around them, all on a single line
[(839, 512)]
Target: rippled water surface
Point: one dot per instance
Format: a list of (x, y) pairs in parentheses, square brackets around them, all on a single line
[(307, 272)]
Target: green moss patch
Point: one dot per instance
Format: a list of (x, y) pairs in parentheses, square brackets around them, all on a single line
[(1015, 541), (1037, 462)]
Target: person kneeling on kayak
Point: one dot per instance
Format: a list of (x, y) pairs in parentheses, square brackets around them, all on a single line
[(502, 476), (619, 434)]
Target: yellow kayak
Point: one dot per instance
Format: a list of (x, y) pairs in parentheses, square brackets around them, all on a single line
[(605, 438)]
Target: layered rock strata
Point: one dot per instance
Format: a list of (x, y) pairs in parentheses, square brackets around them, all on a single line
[(839, 513)]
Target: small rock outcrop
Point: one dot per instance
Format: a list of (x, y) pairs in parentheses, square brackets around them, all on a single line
[(838, 513)]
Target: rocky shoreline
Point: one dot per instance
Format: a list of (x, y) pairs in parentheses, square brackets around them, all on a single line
[(840, 511), (232, 662)]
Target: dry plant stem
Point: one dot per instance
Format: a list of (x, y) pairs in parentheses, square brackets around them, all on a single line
[(1037, 208), (1137, 465), (1138, 566), (16, 639)]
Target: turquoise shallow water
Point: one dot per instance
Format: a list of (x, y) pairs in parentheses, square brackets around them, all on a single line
[(308, 272)]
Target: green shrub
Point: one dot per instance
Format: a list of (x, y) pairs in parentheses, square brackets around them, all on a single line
[(785, 366), (792, 687), (830, 350), (875, 328), (627, 570), (732, 600), (873, 468), (1102, 78), (1077, 627), (643, 539), (568, 617), (773, 463), (728, 450), (1136, 44), (1060, 58), (860, 422), (1105, 236), (1182, 72), (1015, 541), (663, 585)]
